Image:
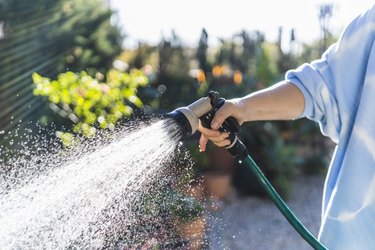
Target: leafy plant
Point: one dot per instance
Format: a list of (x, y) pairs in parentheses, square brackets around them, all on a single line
[(173, 204), (90, 103), (50, 37), (185, 208)]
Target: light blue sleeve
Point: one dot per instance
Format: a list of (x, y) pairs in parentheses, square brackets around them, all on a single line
[(317, 84), (331, 83)]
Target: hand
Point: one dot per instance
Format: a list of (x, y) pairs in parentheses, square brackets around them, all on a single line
[(217, 137), (233, 108)]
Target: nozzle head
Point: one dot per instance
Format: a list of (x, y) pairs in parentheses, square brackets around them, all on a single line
[(186, 119)]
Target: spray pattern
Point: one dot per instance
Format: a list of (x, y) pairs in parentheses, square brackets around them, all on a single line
[(90, 198)]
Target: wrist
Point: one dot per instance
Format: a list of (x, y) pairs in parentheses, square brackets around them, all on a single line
[(240, 111)]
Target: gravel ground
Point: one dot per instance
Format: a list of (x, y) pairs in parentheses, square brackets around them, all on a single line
[(253, 223)]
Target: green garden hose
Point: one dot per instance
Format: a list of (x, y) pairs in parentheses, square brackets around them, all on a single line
[(289, 215)]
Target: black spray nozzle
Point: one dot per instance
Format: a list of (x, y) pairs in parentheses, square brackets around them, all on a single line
[(188, 117), (180, 117), (204, 110)]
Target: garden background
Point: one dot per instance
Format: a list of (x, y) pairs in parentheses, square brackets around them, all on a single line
[(63, 66)]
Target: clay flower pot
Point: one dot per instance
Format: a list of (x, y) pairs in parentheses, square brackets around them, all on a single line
[(217, 184), (192, 231)]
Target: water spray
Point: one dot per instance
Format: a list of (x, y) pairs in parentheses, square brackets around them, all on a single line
[(204, 110)]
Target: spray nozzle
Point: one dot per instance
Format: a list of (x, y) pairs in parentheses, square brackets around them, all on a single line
[(205, 109)]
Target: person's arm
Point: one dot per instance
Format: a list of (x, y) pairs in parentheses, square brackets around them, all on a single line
[(283, 101)]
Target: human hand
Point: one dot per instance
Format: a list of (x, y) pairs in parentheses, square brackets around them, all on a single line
[(234, 108)]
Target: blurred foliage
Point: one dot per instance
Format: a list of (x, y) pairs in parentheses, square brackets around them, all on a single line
[(173, 73), (172, 205), (265, 71), (90, 103), (50, 37), (274, 155), (184, 208), (167, 202), (202, 52), (95, 41)]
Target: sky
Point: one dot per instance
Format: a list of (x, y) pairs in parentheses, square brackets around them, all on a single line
[(149, 20)]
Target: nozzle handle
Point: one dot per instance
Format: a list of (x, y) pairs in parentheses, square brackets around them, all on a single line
[(230, 125)]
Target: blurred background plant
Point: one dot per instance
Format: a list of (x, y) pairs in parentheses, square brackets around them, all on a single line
[(50, 37), (90, 103)]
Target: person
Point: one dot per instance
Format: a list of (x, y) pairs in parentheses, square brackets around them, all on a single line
[(338, 92)]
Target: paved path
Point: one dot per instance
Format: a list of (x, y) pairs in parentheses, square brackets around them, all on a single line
[(253, 223)]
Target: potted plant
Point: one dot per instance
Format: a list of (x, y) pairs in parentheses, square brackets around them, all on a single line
[(189, 221), (217, 174)]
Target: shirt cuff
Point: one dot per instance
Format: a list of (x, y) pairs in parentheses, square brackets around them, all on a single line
[(308, 107)]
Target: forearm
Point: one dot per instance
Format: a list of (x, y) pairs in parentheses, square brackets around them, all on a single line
[(278, 102)]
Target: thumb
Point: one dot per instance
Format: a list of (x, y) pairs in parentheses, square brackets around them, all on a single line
[(220, 116)]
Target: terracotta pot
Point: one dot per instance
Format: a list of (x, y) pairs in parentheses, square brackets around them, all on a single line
[(193, 232), (217, 184), (196, 190), (220, 160)]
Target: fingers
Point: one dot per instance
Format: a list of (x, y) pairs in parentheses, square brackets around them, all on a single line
[(221, 114), (217, 137), (208, 132), (223, 143), (202, 143), (220, 140)]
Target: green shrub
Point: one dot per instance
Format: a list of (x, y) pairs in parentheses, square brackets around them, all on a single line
[(274, 156), (90, 103)]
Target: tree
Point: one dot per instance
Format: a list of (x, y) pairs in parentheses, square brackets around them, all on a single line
[(142, 53), (286, 60), (202, 51), (174, 74), (240, 55), (325, 15), (95, 41)]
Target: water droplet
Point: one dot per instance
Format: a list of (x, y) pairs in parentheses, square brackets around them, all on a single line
[(101, 119)]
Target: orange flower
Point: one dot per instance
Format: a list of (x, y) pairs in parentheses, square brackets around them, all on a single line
[(217, 71), (237, 77), (201, 77)]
